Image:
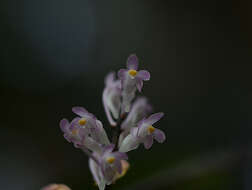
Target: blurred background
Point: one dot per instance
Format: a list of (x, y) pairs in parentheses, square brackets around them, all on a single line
[(55, 55)]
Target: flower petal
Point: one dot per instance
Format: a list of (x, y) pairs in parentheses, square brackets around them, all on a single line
[(64, 123), (140, 126), (121, 156), (108, 113), (102, 184), (125, 167), (139, 85), (148, 142), (109, 148), (140, 108), (122, 136), (109, 79), (92, 145), (132, 62), (103, 138), (66, 136), (154, 118), (129, 143), (94, 170), (118, 166), (159, 135), (143, 75), (134, 131), (79, 111), (74, 123)]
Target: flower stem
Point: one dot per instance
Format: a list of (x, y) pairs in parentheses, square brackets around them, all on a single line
[(117, 128), (89, 154), (117, 132)]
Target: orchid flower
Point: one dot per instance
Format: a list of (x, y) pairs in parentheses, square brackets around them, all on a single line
[(140, 109), (111, 166), (131, 80), (144, 133)]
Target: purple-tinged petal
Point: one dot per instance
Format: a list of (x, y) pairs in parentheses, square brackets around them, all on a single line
[(108, 113), (108, 148), (148, 142), (66, 136), (83, 132), (118, 166), (159, 135), (121, 156), (154, 118), (121, 73), (134, 131), (139, 110), (90, 115), (64, 123), (74, 122), (141, 122), (79, 111), (132, 62), (77, 144), (143, 75), (109, 174), (103, 138), (139, 85), (94, 170), (125, 167), (109, 79)]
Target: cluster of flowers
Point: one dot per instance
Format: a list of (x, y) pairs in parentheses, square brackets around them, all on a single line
[(130, 118)]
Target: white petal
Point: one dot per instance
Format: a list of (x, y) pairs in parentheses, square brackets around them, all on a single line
[(92, 145), (102, 184), (129, 143), (102, 133)]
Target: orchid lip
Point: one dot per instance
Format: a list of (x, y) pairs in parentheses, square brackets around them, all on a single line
[(82, 121)]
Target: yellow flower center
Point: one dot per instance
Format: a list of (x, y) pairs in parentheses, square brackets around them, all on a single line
[(82, 121), (132, 72), (111, 159), (151, 129)]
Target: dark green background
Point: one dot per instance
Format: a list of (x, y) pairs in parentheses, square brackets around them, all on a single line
[(55, 54)]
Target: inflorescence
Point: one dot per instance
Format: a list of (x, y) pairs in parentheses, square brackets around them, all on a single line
[(130, 118)]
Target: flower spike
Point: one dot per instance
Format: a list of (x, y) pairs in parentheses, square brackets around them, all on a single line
[(143, 133), (132, 124)]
